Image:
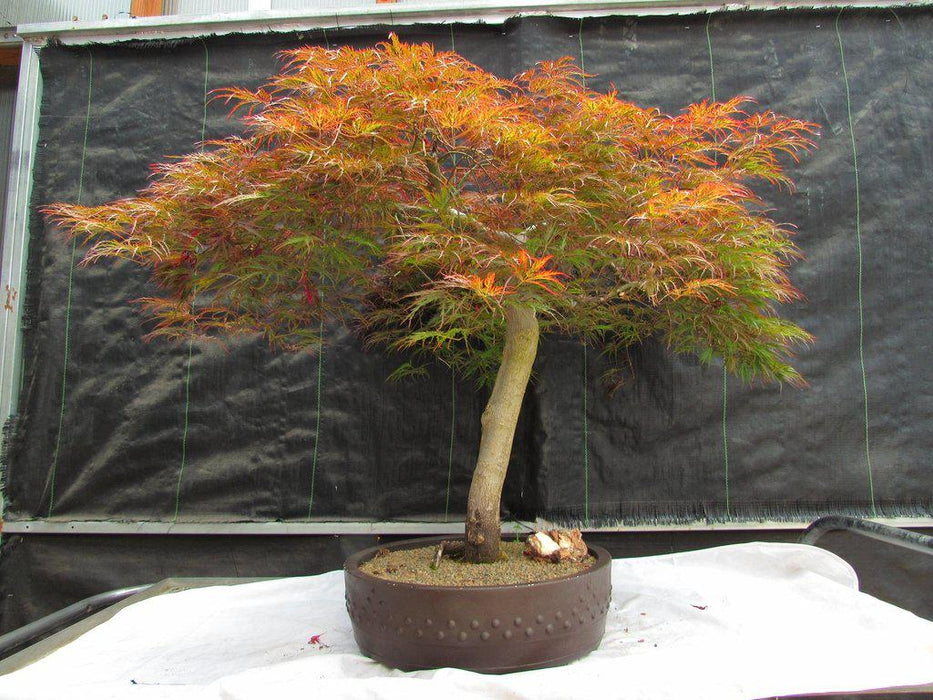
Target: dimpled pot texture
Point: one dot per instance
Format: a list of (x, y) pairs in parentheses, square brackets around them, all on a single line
[(490, 629)]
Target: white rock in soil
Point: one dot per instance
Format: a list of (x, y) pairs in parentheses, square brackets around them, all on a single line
[(556, 545), (542, 545)]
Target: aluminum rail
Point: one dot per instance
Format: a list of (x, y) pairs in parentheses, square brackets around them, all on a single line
[(486, 11), (28, 634), (15, 227), (322, 527), (913, 541), (351, 527)]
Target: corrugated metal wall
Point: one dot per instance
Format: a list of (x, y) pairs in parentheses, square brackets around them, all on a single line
[(304, 4), (337, 4), (13, 12), (27, 11), (204, 7), (330, 4)]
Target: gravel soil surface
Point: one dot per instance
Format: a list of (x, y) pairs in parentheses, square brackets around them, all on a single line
[(414, 566)]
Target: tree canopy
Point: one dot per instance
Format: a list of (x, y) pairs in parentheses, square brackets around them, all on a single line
[(413, 194)]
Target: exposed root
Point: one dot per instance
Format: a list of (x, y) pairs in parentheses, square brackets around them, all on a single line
[(448, 548)]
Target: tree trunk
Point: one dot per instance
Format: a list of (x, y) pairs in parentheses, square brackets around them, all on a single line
[(499, 420)]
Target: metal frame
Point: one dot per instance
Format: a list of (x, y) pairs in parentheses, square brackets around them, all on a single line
[(487, 11), (25, 134), (31, 633), (354, 527), (322, 527), (16, 228), (85, 615), (913, 541)]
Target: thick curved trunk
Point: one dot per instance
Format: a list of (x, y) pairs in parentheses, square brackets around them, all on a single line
[(499, 420)]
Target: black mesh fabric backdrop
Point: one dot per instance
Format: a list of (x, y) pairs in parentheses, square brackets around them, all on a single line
[(112, 427)]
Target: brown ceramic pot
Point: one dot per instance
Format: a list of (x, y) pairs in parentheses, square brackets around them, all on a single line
[(490, 629)]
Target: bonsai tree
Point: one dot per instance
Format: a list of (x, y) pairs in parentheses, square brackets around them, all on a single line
[(442, 210)]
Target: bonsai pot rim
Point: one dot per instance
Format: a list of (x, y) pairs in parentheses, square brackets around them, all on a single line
[(488, 629)]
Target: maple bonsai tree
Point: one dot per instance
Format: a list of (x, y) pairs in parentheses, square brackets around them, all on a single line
[(444, 210)]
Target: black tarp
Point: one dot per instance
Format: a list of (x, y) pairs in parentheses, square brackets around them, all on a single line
[(112, 427)]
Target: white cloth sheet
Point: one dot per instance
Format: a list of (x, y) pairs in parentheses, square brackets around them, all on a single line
[(743, 621)]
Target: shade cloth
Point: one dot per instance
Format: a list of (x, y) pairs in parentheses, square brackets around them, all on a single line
[(742, 621), (210, 433)]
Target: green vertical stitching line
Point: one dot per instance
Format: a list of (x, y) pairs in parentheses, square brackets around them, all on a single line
[(725, 373), (326, 40), (709, 48), (582, 62), (586, 456), (453, 46), (725, 437), (207, 72), (586, 438), (858, 238), (184, 432), (453, 423), (74, 247), (317, 428), (61, 414)]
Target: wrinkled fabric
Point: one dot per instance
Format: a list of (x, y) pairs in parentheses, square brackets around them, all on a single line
[(742, 621)]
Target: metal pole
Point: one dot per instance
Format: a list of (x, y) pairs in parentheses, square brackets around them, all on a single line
[(868, 528), (15, 229)]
